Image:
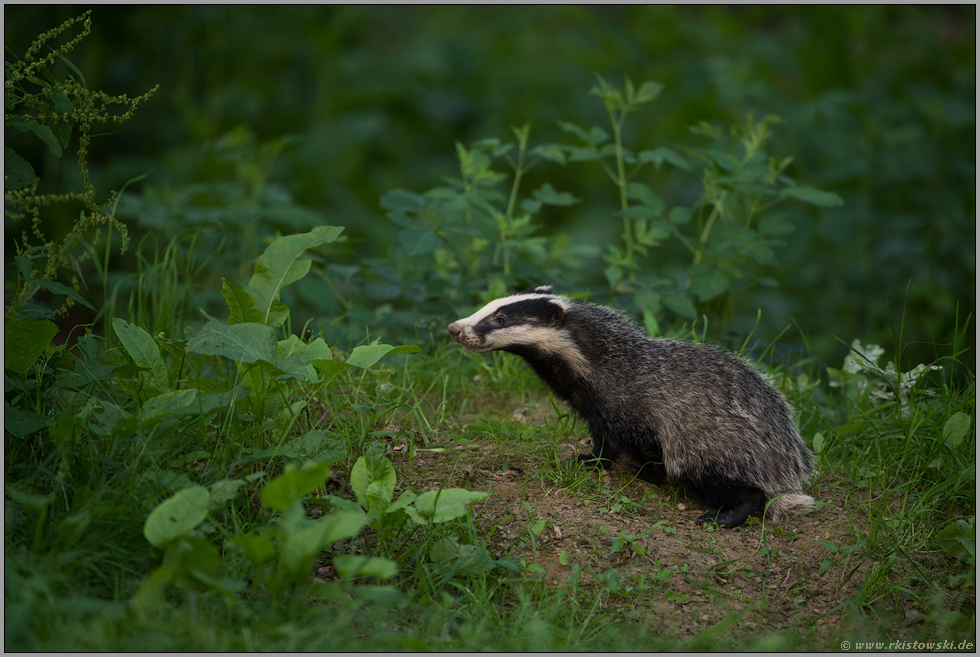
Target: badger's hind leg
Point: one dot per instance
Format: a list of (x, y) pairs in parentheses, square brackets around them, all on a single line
[(651, 460), (734, 501)]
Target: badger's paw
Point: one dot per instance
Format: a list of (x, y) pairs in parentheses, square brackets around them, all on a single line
[(726, 519)]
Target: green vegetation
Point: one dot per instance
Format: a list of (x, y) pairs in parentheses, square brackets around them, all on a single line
[(234, 421)]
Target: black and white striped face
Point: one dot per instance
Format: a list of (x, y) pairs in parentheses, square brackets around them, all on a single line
[(529, 319)]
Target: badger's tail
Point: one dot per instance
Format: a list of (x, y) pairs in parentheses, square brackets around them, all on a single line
[(789, 504)]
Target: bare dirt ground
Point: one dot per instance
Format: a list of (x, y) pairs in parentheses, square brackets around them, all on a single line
[(672, 573)]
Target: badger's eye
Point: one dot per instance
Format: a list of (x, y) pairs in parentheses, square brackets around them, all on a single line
[(500, 320)]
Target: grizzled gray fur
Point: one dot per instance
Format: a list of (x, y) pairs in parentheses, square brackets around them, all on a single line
[(690, 413)]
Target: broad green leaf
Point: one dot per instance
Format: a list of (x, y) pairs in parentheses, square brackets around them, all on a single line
[(301, 547), (956, 429), (143, 349), (645, 195), (300, 356), (42, 132), (378, 497), (598, 135), (168, 403), (25, 266), (614, 274), (369, 470), (225, 490), (679, 215), (419, 241), (407, 497), (282, 264), (681, 305), (285, 348), (530, 205), (150, 595), (582, 154), (724, 159), (100, 415), (550, 152), (658, 156), (22, 423), (173, 347), (647, 300), (330, 368), (959, 540), (774, 224), (653, 233), (353, 566), (177, 515), (317, 446), (819, 443), (707, 281), (282, 491), (17, 172), (400, 199), (568, 126), (547, 194), (648, 91), (341, 525), (638, 213), (54, 287), (241, 305), (298, 548), (242, 343), (650, 323), (438, 506), (24, 340), (367, 355), (813, 196)]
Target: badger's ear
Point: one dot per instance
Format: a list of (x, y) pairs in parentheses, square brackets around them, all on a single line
[(539, 289), (556, 314)]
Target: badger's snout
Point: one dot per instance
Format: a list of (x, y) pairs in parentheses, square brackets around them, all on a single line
[(455, 331)]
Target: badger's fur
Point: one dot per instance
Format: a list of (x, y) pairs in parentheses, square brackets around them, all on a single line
[(691, 413)]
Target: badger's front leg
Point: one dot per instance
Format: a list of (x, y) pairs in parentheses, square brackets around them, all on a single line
[(650, 458)]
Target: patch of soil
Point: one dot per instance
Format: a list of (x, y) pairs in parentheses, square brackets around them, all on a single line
[(672, 572)]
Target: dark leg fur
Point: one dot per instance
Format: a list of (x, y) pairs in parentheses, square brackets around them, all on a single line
[(651, 460), (734, 502), (652, 473), (651, 470)]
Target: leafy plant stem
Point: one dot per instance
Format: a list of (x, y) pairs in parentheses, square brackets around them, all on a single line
[(522, 138)]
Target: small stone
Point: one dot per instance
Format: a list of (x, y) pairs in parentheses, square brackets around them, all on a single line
[(914, 616)]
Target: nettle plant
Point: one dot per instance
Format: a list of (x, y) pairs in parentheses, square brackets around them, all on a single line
[(474, 239), (54, 111), (468, 238)]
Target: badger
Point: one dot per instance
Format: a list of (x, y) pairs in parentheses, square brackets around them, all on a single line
[(690, 413)]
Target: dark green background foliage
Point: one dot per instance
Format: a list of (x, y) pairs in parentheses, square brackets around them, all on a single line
[(283, 118)]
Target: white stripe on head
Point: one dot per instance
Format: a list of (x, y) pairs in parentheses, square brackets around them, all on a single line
[(497, 304)]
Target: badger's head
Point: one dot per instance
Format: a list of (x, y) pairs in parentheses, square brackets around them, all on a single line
[(531, 319)]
